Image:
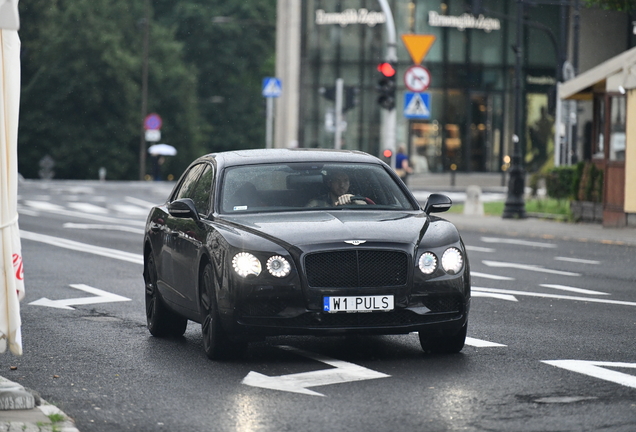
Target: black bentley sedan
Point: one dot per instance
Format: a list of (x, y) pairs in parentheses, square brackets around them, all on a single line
[(257, 243)]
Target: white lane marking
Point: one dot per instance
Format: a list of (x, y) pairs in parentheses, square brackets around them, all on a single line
[(490, 276), (553, 296), (132, 210), (577, 260), (83, 247), (24, 211), (531, 267), (595, 369), (103, 227), (39, 205), (478, 343), (518, 242), (507, 297), (479, 249), (88, 208), (573, 289), (298, 382), (102, 297), (141, 203)]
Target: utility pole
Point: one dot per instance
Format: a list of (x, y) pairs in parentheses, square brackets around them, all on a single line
[(389, 122), (144, 92)]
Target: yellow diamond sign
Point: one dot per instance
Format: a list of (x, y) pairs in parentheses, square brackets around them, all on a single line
[(418, 46)]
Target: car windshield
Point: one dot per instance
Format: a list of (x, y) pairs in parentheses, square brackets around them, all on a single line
[(309, 187)]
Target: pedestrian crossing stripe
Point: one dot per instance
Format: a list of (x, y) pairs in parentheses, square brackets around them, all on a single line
[(416, 105), (272, 87)]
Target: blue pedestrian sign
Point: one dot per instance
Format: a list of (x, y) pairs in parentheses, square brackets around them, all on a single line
[(272, 87), (417, 105)]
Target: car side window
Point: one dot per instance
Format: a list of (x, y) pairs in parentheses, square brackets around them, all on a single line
[(189, 183), (201, 192)]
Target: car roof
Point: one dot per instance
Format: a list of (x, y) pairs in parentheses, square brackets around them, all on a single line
[(258, 156)]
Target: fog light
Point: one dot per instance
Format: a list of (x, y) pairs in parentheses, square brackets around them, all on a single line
[(452, 261), (427, 263), (278, 266), (245, 263)]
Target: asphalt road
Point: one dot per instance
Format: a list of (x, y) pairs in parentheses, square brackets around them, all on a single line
[(551, 346)]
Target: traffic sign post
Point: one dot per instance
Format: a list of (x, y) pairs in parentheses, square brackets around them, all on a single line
[(272, 88), (153, 122), (417, 78), (417, 105)]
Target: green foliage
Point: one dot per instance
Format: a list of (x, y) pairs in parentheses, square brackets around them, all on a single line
[(590, 183), (81, 81), (559, 182), (617, 5)]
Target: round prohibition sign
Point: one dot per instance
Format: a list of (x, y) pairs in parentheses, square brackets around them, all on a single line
[(417, 78)]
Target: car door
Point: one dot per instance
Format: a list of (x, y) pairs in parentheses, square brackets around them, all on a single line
[(189, 236)]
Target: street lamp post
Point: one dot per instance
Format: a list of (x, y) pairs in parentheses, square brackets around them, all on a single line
[(144, 92), (515, 205)]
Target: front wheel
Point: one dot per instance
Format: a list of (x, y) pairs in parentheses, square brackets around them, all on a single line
[(444, 344), (161, 321), (216, 343)]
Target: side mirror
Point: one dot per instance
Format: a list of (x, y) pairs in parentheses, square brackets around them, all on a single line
[(183, 208), (437, 203)]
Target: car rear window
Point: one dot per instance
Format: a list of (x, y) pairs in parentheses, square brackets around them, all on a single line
[(304, 186)]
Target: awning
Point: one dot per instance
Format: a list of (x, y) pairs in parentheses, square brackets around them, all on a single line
[(609, 76)]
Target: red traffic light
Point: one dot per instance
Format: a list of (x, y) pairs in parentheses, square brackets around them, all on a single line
[(387, 153), (386, 69)]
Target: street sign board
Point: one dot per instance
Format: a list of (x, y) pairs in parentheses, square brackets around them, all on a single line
[(272, 87), (417, 105), (153, 135), (417, 78), (418, 46), (152, 122)]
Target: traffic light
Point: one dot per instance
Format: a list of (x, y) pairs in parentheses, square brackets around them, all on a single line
[(386, 156), (386, 85)]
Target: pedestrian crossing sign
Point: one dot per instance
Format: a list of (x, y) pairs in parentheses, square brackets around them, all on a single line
[(417, 105), (272, 87)]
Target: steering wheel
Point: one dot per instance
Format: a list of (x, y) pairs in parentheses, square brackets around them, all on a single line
[(361, 198)]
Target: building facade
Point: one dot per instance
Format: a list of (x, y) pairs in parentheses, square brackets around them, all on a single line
[(468, 121)]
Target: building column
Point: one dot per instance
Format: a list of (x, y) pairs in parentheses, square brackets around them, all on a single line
[(288, 23)]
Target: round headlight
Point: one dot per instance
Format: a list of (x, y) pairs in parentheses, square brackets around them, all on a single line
[(452, 261), (278, 266), (246, 264), (427, 263)]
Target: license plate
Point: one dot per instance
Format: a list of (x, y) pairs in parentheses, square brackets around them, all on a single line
[(358, 303)]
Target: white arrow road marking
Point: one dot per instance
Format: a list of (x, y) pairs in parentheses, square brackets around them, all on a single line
[(102, 297), (490, 276), (298, 383), (103, 227), (478, 343), (553, 296), (595, 369), (477, 293), (518, 242), (577, 260), (573, 289), (530, 267), (83, 247)]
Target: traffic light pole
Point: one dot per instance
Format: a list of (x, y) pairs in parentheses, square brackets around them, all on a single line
[(389, 117), (338, 114)]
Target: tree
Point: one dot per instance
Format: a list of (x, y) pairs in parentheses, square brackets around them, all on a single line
[(81, 89), (618, 5)]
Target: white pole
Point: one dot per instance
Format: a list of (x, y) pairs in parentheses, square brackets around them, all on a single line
[(338, 115), (557, 126), (270, 122)]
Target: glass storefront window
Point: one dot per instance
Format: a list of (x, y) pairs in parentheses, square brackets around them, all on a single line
[(617, 128)]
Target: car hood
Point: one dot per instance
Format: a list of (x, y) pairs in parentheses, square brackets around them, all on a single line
[(314, 227)]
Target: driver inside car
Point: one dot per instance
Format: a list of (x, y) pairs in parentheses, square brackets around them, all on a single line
[(338, 188)]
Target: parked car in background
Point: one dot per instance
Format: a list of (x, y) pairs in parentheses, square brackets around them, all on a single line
[(258, 243)]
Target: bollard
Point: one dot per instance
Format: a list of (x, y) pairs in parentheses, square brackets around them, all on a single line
[(473, 205)]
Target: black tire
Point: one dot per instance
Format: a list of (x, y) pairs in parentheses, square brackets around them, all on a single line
[(161, 321), (444, 344), (216, 343)]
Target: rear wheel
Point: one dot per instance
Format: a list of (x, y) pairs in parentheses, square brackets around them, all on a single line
[(444, 344), (216, 343), (162, 322)]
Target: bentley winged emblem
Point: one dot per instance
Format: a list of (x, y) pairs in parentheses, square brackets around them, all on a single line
[(355, 242)]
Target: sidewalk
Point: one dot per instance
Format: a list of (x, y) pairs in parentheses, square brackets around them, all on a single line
[(24, 411)]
